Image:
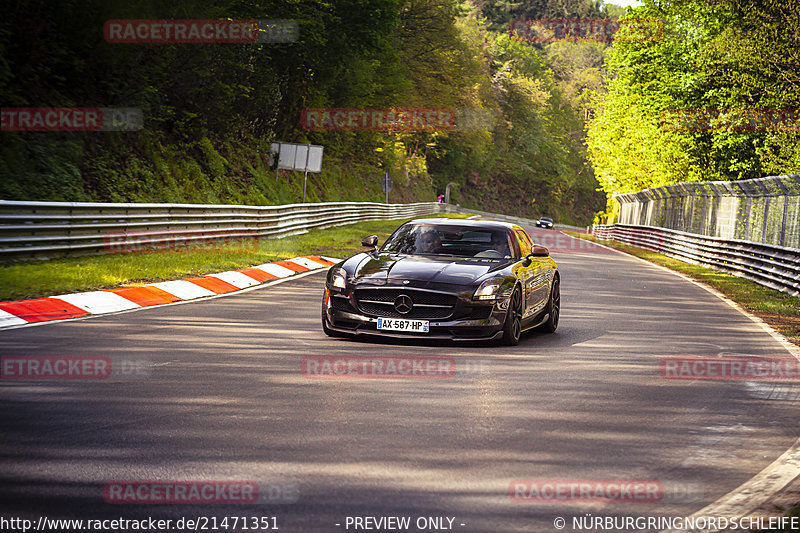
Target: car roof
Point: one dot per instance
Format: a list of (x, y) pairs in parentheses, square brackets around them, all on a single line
[(468, 222)]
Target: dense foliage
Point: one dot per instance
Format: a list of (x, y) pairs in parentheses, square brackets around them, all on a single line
[(211, 110), (733, 56)]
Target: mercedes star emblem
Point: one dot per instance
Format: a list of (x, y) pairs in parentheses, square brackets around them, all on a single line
[(403, 304)]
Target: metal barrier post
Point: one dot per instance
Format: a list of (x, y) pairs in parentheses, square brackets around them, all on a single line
[(703, 216), (748, 208)]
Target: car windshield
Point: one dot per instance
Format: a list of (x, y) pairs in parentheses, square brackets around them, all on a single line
[(459, 241)]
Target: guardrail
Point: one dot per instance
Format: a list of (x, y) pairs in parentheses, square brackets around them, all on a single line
[(770, 265), (49, 229)]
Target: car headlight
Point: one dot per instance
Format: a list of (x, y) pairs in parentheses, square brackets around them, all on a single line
[(339, 279), (487, 290)]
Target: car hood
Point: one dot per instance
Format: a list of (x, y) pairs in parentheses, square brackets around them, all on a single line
[(389, 268)]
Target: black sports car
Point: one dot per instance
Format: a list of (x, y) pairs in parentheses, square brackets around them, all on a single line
[(445, 279), (544, 222)]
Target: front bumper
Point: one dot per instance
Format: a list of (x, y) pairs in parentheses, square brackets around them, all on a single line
[(462, 329)]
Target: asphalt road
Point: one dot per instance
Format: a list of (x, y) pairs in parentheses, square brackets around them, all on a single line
[(222, 397)]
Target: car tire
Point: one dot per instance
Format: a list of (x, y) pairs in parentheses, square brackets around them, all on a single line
[(512, 328), (553, 308)]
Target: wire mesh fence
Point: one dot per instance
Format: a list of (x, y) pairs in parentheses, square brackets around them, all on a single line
[(765, 210)]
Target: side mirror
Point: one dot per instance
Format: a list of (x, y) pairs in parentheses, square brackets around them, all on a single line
[(537, 251), (370, 242)]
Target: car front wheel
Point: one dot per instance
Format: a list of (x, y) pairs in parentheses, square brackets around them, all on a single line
[(512, 329), (553, 308)]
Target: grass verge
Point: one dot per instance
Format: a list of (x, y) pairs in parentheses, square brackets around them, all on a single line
[(35, 279), (777, 309)]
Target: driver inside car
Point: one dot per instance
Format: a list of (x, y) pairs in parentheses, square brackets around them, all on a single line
[(500, 244), (429, 242)]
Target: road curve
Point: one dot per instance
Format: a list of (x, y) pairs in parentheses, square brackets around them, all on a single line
[(223, 398)]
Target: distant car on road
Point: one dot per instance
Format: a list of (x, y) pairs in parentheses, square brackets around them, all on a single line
[(544, 222), (440, 278)]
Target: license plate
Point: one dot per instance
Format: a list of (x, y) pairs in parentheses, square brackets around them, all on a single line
[(401, 324)]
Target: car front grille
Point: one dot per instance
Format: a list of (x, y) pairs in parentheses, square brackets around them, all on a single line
[(342, 303), (426, 304)]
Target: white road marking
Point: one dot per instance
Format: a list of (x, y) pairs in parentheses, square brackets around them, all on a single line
[(276, 270), (308, 263), (237, 279), (98, 302), (7, 319), (185, 290)]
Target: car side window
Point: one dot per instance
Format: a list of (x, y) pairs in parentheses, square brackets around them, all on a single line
[(524, 242), (528, 238)]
